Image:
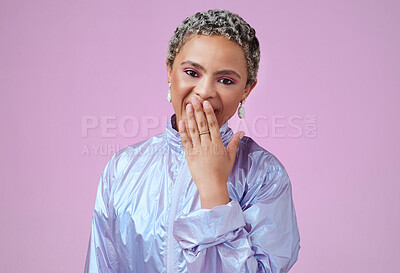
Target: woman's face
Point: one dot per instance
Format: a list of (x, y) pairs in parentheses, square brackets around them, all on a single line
[(210, 68)]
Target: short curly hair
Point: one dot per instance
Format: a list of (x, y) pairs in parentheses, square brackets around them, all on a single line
[(223, 23)]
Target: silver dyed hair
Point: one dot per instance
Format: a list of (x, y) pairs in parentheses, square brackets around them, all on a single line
[(223, 23)]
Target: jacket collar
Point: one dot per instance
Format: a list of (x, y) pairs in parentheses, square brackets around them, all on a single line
[(174, 138)]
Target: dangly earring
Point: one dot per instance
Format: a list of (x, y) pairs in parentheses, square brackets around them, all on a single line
[(169, 92), (241, 112)]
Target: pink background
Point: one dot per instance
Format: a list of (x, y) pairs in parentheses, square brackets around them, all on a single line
[(62, 62)]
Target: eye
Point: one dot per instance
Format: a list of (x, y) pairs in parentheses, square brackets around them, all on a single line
[(191, 73), (226, 81)]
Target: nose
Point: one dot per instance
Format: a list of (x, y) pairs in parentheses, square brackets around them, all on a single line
[(205, 89)]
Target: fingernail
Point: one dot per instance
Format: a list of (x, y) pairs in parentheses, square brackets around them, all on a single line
[(195, 101), (189, 108), (241, 134), (206, 104)]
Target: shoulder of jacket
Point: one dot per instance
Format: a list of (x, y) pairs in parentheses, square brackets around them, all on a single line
[(123, 159), (250, 149), (259, 161), (260, 174)]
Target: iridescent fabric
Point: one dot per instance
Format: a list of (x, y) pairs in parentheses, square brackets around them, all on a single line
[(148, 218)]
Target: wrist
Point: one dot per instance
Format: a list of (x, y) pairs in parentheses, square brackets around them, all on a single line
[(214, 197)]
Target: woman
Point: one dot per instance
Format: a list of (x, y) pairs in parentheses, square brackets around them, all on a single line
[(198, 198)]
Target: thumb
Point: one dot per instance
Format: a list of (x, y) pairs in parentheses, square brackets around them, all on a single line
[(233, 144)]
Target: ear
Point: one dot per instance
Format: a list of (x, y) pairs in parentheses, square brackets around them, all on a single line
[(248, 89), (169, 71)]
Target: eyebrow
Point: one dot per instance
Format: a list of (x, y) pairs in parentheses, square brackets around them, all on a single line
[(222, 72)]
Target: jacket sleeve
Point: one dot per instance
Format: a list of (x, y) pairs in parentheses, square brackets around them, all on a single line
[(256, 236), (102, 256)]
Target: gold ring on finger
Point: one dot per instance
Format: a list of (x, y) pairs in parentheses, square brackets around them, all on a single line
[(205, 132)]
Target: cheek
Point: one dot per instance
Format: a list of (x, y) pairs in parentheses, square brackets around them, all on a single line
[(230, 103), (181, 86)]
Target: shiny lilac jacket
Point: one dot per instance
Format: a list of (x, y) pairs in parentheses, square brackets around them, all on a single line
[(148, 218)]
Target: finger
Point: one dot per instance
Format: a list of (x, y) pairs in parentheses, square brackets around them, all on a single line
[(186, 142), (233, 145), (201, 120), (191, 125), (212, 121), (187, 132)]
